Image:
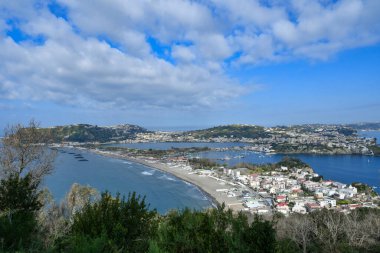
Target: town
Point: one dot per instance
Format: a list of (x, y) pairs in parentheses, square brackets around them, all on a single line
[(314, 139), (286, 190)]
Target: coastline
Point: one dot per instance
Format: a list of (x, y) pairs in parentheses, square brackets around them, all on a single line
[(207, 185)]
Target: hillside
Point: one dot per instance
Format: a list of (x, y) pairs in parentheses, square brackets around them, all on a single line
[(91, 133), (230, 131)]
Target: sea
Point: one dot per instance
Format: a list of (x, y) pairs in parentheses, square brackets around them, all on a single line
[(164, 191)]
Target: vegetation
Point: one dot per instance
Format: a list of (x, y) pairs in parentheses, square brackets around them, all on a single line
[(216, 230), (347, 131), (156, 153), (203, 163), (364, 188), (90, 133), (118, 224), (331, 231), (289, 162), (18, 212), (231, 131), (292, 162), (24, 162), (375, 150), (113, 225)]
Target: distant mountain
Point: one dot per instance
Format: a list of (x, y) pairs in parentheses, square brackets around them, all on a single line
[(364, 126), (230, 131), (91, 133)]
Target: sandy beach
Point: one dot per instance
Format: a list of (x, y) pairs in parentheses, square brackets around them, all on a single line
[(214, 188)]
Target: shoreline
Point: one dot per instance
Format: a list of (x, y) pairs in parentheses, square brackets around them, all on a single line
[(207, 185), (211, 198)]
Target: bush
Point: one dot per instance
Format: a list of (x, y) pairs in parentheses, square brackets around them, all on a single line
[(125, 225), (18, 206), (214, 231)]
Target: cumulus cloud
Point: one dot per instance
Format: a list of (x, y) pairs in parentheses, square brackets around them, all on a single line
[(86, 71), (99, 51), (183, 53)]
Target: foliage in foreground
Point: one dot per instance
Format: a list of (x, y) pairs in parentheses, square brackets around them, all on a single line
[(113, 224), (216, 230), (18, 212), (118, 224)]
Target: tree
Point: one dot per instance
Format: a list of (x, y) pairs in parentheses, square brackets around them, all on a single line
[(78, 197), (215, 230), (298, 228), (24, 161), (18, 206), (24, 151), (115, 223)]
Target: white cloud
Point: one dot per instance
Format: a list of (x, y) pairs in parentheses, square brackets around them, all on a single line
[(77, 64), (183, 53), (86, 71)]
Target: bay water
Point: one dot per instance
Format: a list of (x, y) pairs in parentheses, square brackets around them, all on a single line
[(163, 191)]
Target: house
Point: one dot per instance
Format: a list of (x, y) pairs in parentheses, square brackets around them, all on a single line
[(283, 208), (327, 182), (327, 202), (299, 209), (311, 207), (318, 195), (281, 198), (348, 192), (354, 206), (339, 185)]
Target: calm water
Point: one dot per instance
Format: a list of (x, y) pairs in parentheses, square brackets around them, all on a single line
[(162, 191), (169, 145), (342, 168)]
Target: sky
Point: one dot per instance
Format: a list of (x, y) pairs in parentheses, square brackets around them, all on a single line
[(189, 63)]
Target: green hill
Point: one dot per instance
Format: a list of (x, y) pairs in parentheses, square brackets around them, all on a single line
[(230, 131), (91, 133)]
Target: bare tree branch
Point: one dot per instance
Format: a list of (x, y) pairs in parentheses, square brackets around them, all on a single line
[(24, 151)]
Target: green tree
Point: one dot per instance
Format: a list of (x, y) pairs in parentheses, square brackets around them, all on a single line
[(125, 225), (216, 230), (25, 159), (19, 203)]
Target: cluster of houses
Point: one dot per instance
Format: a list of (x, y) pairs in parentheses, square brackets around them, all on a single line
[(324, 139), (296, 191)]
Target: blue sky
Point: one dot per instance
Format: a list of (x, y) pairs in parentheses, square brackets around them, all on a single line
[(183, 63)]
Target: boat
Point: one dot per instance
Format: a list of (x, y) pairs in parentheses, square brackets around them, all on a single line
[(83, 160)]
